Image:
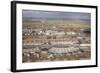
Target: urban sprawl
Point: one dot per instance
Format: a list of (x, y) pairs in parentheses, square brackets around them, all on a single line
[(55, 40)]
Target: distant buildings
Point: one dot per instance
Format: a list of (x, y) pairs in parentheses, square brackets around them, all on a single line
[(46, 40)]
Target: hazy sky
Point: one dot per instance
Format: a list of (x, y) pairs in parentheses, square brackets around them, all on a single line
[(35, 14)]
